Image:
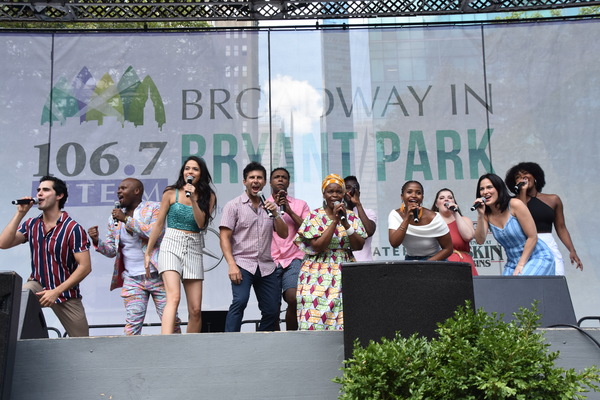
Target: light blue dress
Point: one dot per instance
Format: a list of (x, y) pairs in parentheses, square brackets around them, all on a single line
[(512, 238)]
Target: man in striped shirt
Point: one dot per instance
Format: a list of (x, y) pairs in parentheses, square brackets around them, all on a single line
[(60, 257)]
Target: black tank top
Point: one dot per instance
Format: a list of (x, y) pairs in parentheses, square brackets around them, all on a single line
[(542, 214)]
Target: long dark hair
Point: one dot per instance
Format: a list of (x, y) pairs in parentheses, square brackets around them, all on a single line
[(503, 195), (435, 208), (203, 187), (533, 168)]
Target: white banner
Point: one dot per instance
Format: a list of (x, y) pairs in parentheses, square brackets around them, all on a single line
[(439, 105)]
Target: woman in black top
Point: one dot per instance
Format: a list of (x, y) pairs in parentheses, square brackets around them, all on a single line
[(526, 181)]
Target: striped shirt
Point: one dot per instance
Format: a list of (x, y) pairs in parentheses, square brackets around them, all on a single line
[(52, 259), (252, 233)]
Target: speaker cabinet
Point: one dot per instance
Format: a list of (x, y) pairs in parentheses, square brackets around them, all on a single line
[(32, 324), (506, 294), (10, 299), (381, 298)]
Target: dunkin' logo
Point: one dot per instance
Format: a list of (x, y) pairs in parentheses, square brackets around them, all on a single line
[(89, 99)]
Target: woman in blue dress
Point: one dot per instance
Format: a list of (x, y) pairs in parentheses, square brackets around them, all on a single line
[(513, 227)]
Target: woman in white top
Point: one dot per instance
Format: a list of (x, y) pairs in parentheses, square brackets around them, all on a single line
[(422, 232)]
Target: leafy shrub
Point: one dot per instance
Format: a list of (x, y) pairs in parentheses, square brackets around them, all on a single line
[(475, 356)]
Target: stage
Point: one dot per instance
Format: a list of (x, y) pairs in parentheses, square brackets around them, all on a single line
[(379, 300), (275, 365)]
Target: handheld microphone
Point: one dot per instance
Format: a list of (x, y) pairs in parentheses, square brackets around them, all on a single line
[(342, 214), (518, 186), (281, 206), (189, 179), (117, 205), (25, 201), (476, 205), (415, 215), (452, 208), (263, 200)]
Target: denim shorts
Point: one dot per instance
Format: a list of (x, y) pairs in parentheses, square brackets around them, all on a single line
[(289, 275)]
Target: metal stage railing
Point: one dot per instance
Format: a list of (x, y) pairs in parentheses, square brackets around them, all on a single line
[(206, 327), (255, 10)]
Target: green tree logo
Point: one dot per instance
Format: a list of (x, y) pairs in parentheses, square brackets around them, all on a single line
[(92, 100)]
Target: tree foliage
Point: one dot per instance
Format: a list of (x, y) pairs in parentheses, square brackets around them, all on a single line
[(139, 26), (475, 356)]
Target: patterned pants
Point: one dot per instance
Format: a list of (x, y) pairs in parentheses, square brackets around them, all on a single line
[(135, 293)]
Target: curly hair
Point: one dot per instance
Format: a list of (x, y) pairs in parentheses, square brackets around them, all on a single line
[(530, 167)]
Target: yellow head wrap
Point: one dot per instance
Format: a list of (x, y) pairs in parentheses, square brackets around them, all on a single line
[(332, 178)]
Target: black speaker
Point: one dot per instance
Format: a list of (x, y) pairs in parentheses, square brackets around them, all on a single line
[(505, 294), (381, 298), (32, 323), (213, 321), (10, 299)]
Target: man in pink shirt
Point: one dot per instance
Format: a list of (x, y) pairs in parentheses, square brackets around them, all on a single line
[(287, 256)]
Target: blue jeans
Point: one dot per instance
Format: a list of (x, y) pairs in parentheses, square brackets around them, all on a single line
[(267, 290)]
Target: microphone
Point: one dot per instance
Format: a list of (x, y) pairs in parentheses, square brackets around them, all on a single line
[(342, 214), (451, 208), (281, 206), (189, 179), (263, 200), (518, 186), (416, 215), (117, 205), (25, 201), (476, 205)]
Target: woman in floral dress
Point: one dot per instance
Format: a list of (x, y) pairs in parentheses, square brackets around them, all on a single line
[(327, 236)]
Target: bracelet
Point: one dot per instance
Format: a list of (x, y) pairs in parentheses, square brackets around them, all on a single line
[(402, 228), (350, 231)]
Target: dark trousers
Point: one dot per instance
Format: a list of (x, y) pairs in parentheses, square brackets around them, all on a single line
[(268, 293)]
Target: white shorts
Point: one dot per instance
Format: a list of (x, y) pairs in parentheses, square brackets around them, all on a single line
[(182, 252)]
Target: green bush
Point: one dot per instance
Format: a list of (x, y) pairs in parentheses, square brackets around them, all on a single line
[(474, 356)]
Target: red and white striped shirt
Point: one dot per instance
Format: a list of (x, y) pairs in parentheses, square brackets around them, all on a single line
[(52, 259)]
